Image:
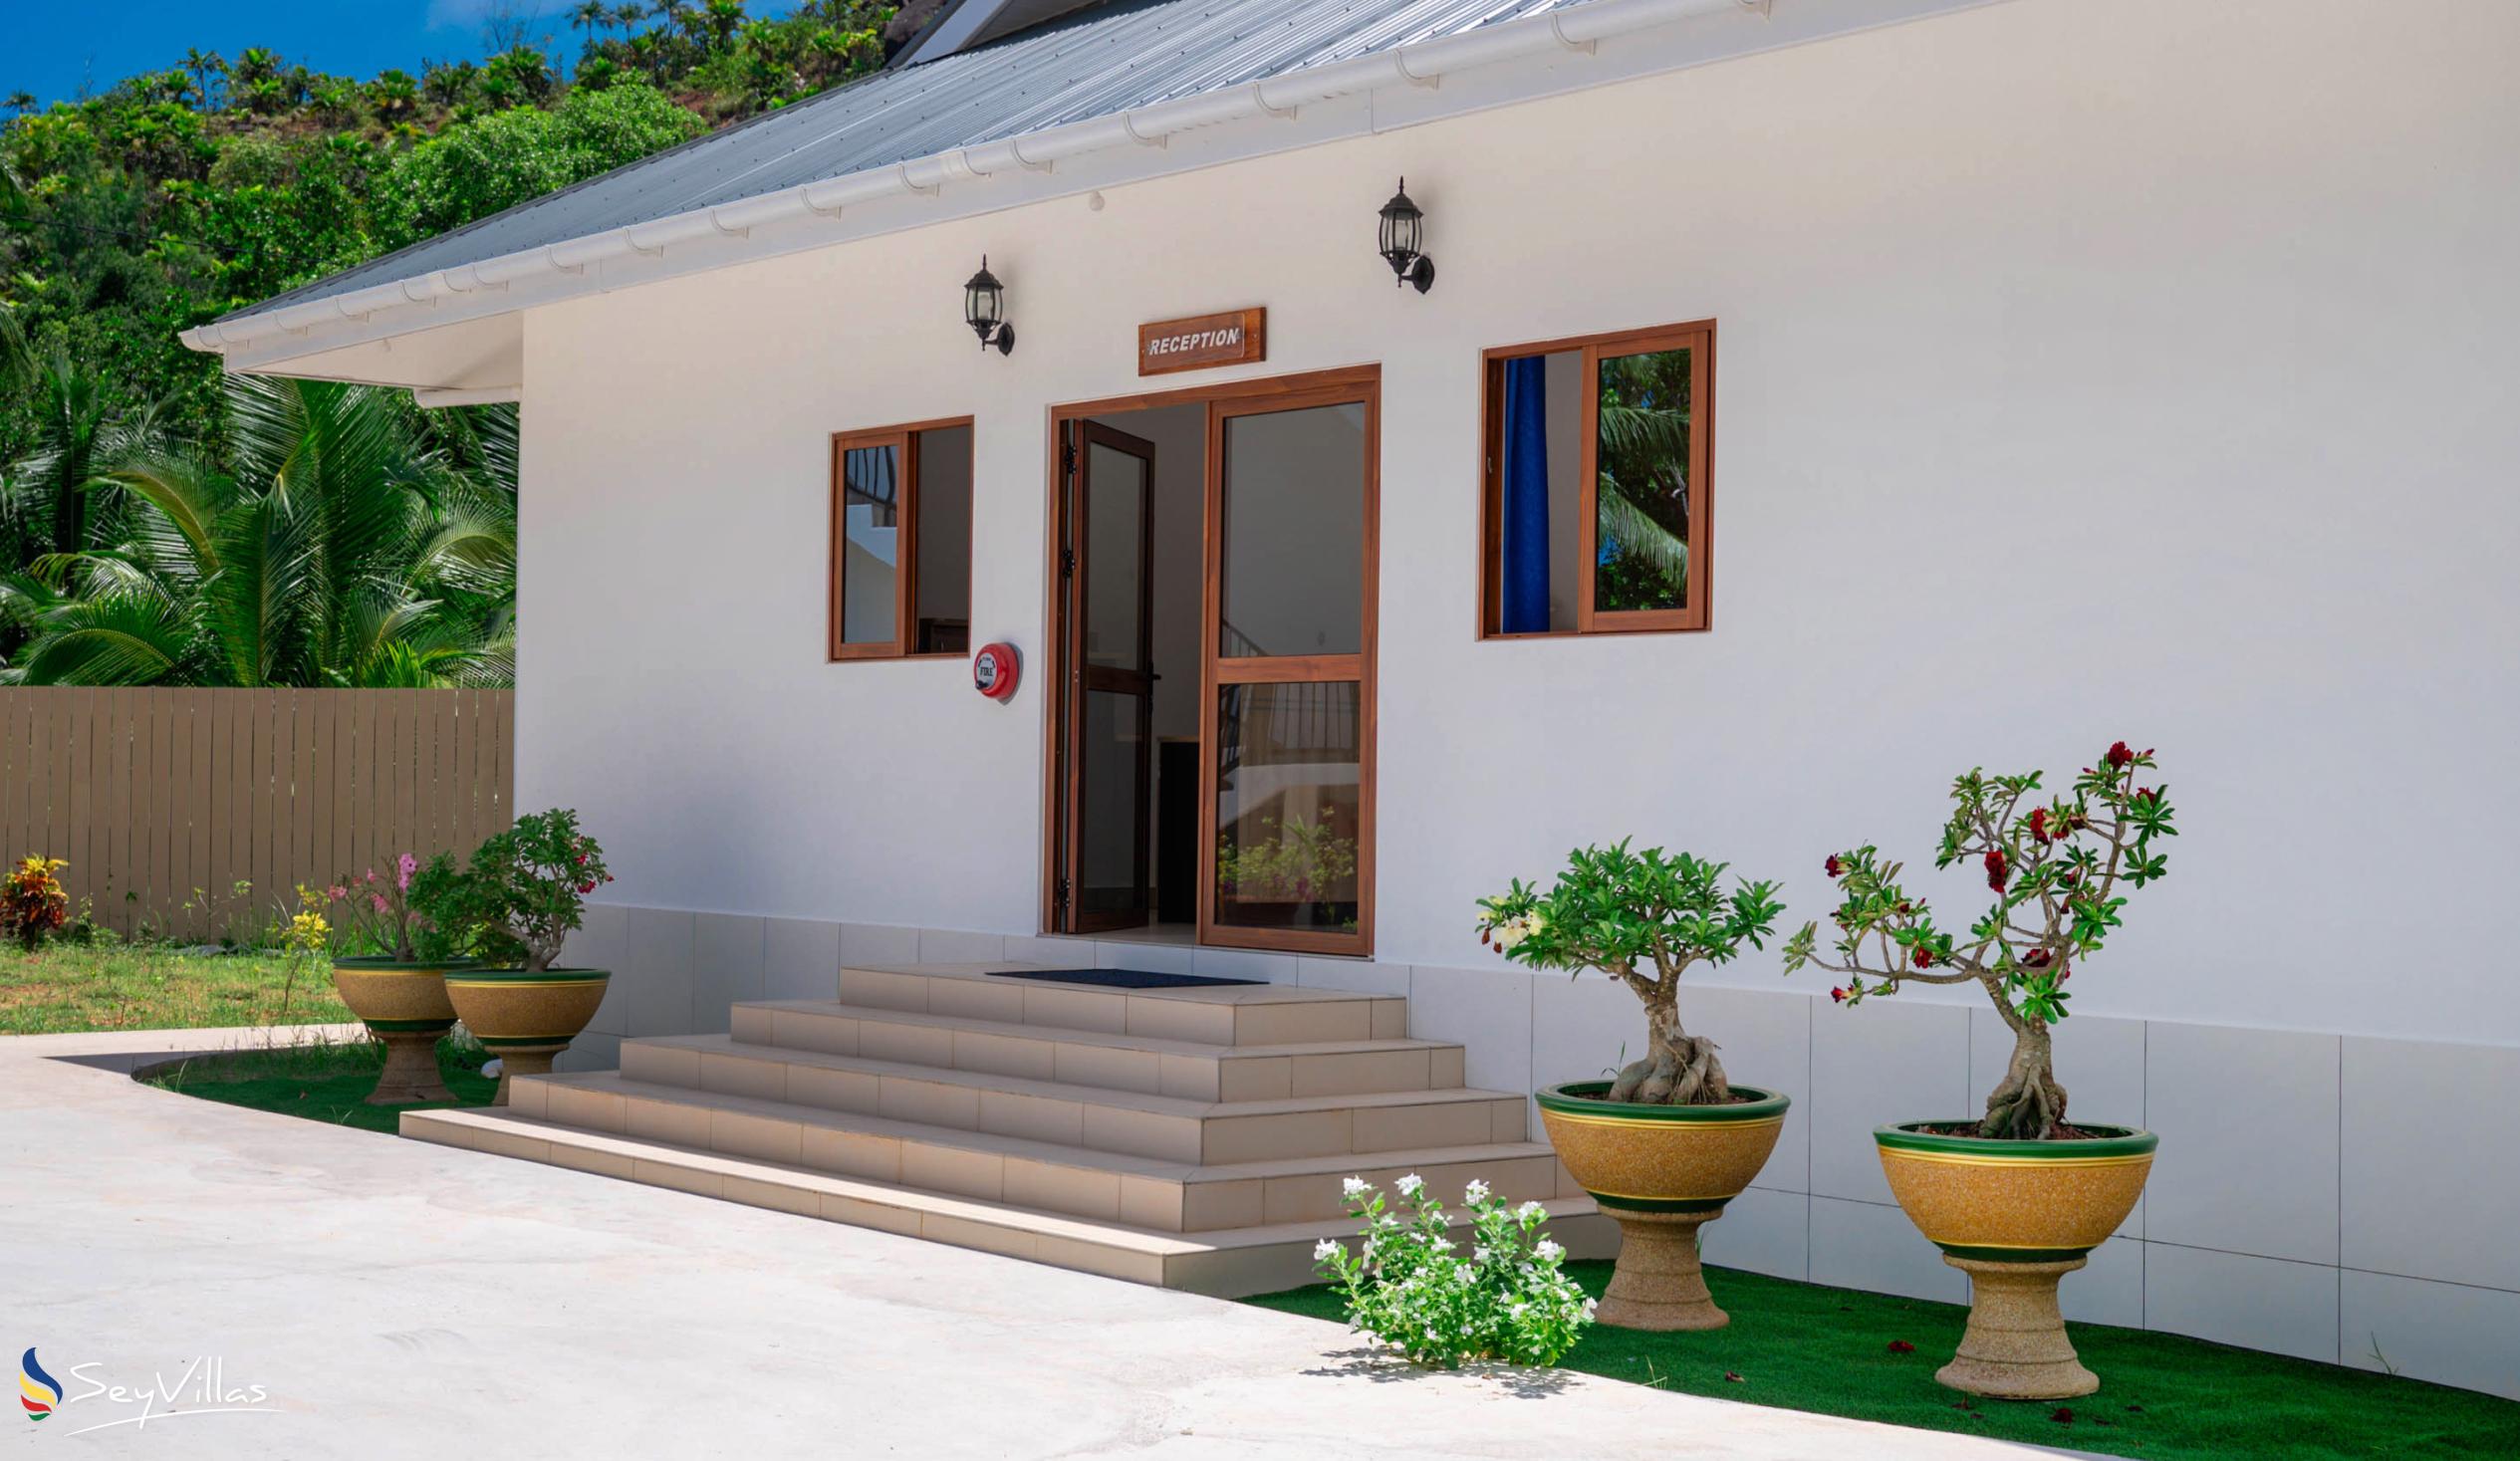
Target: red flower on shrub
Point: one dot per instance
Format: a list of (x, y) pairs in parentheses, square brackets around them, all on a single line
[(2036, 959), (1836, 868), (2039, 824), (1837, 996), (2119, 756), (1922, 957), (1996, 872)]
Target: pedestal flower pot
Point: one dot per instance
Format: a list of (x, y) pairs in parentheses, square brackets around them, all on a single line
[(405, 1006), (2016, 1216), (1662, 1171), (524, 1017)]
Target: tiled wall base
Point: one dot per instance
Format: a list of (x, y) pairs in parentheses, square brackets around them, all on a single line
[(2301, 1203)]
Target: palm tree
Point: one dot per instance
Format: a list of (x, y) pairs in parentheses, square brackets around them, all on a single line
[(350, 546), (1644, 427), (45, 506)]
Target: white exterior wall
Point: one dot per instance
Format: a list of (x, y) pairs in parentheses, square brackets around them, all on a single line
[(2084, 371)]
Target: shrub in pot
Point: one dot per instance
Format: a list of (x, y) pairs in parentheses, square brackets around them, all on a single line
[(1669, 1139), (2018, 1197), (514, 905), (399, 991)]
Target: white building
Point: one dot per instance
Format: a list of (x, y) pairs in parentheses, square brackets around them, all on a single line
[(2059, 372)]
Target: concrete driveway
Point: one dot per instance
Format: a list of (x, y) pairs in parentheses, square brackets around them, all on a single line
[(340, 1293)]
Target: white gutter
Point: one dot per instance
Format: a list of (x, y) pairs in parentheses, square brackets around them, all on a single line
[(430, 401), (1424, 63)]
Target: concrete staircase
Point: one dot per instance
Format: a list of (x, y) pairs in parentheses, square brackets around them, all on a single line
[(1192, 1137)]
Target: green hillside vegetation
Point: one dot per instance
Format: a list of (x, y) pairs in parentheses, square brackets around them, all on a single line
[(160, 526)]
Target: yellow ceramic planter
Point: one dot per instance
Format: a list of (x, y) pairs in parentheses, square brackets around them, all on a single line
[(1662, 1171), (525, 1018), (2016, 1216), (405, 1006)]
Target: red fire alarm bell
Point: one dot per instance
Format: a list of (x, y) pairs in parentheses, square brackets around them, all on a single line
[(995, 669)]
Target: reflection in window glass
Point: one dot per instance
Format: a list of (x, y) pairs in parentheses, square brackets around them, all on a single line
[(1287, 804), (1641, 538), (1294, 533), (943, 504), (870, 501)]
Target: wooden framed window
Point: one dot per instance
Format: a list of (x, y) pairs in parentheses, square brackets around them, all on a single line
[(1594, 512), (900, 525)]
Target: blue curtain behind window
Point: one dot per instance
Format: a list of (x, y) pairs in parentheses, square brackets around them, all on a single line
[(1526, 507)]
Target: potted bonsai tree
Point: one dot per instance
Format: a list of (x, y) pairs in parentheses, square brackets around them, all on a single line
[(399, 992), (515, 904), (2017, 1197), (1669, 1139)]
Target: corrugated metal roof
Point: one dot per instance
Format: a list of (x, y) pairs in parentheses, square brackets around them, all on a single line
[(1111, 61)]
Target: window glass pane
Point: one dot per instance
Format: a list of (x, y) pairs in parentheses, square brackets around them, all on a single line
[(1115, 556), (1113, 825), (943, 503), (871, 478), (1640, 553), (1538, 438), (1294, 533), (1288, 798)]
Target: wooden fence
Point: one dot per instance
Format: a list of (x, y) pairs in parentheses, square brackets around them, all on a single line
[(196, 813)]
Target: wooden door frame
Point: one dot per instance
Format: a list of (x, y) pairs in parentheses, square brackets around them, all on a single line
[(1362, 384), (1090, 677)]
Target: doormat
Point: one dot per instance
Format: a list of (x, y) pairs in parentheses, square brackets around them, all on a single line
[(1119, 978)]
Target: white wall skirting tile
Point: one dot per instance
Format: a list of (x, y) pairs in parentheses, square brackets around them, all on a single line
[(2309, 1200)]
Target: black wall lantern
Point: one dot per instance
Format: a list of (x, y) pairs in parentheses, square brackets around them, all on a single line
[(984, 310), (1403, 240)]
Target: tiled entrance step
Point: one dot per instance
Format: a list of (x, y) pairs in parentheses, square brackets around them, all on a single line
[(1196, 1138)]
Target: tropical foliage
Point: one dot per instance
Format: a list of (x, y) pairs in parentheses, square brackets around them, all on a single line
[(1644, 412), (338, 545), (2055, 865), (1645, 919), (148, 530)]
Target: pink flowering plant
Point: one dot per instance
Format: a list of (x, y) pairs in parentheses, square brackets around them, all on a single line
[(1410, 1284), (2055, 865), (522, 894), (376, 910)]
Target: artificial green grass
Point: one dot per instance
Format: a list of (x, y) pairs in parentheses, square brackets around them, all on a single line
[(1802, 1346), (324, 1082)]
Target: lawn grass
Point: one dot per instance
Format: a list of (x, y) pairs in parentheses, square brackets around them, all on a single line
[(113, 985), (1802, 1346), (324, 1082)]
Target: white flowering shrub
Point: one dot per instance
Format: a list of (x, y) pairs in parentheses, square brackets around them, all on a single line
[(1410, 1284)]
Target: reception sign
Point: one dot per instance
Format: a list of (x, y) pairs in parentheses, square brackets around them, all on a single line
[(1203, 341)]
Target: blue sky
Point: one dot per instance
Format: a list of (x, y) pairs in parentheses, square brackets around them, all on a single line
[(54, 47)]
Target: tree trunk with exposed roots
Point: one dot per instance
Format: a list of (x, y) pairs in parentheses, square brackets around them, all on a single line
[(1678, 1069), (2027, 1105)]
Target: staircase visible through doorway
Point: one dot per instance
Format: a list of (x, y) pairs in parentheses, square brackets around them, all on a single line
[(1194, 1137)]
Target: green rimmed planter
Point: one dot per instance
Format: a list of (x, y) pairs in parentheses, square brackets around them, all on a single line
[(1663, 1172), (526, 1017), (405, 1007), (2016, 1217)]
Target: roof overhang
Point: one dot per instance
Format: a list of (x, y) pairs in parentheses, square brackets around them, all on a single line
[(459, 330)]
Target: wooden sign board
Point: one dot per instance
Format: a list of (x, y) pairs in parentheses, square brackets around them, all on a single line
[(1203, 341)]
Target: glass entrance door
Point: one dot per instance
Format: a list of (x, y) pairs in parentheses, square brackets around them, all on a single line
[(1109, 570), (1287, 854)]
